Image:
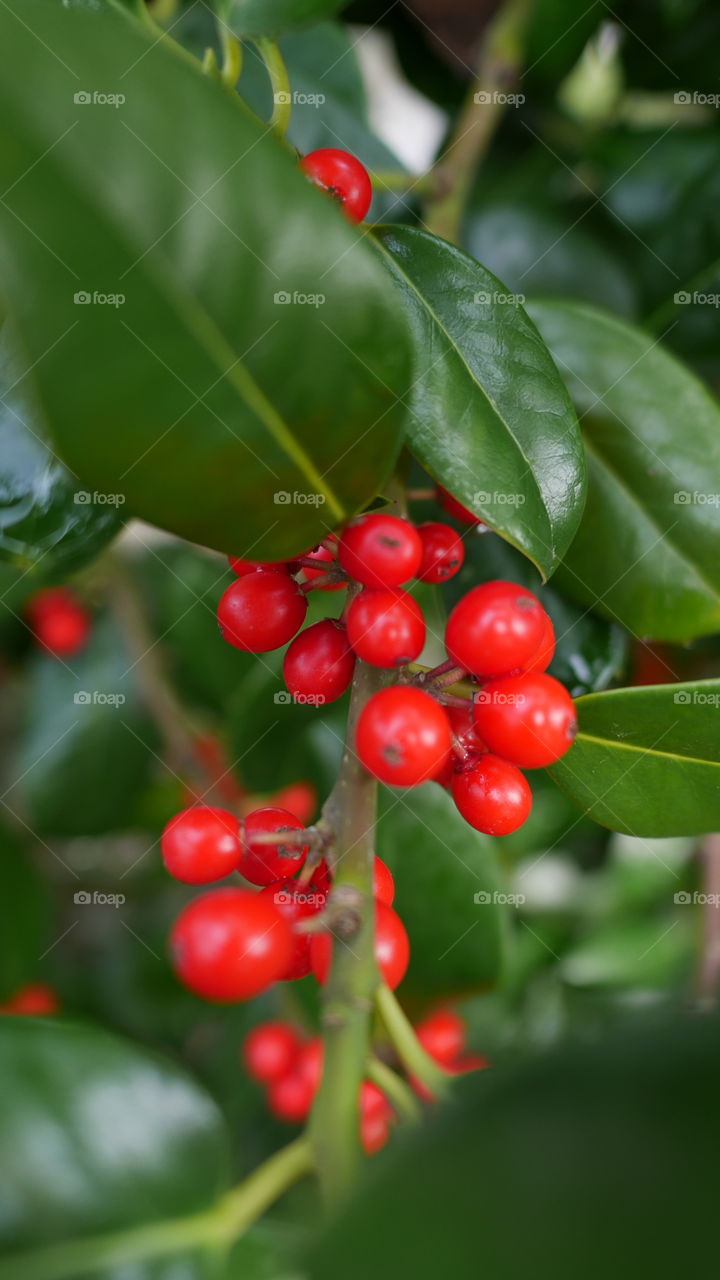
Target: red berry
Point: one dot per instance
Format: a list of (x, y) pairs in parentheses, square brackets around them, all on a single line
[(300, 798), (386, 627), (373, 1102), (343, 176), (262, 863), (230, 944), (318, 666), (383, 882), (469, 1062), (392, 948), (454, 508), (494, 629), (492, 795), (262, 610), (325, 560), (463, 727), (201, 844), (291, 1097), (442, 1034), (310, 1062), (374, 1127), (403, 736), (241, 567), (60, 624), (380, 550), (443, 552), (35, 998), (295, 902), (543, 656), (528, 719), (270, 1050)]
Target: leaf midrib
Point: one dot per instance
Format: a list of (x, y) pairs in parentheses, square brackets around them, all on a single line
[(614, 745)]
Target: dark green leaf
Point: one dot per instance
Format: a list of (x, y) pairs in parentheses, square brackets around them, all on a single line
[(490, 418), (217, 406), (104, 1136), (86, 754), (48, 523), (518, 1172), (23, 913), (270, 17), (447, 884), (646, 761), (648, 549)]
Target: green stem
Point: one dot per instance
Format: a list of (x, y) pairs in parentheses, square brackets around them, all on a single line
[(498, 68), (280, 84), (406, 1044), (348, 997), (396, 1090), (398, 180), (232, 56), (215, 1228)]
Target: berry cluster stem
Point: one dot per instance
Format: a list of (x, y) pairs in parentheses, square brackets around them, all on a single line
[(350, 811)]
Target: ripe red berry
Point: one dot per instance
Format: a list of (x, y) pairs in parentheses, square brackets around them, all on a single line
[(454, 508), (230, 944), (443, 552), (318, 666), (343, 177), (291, 1097), (469, 1062), (261, 610), (527, 719), (241, 567), (270, 1050), (262, 863), (492, 795), (380, 550), (383, 882), (544, 654), (310, 1062), (375, 1117), (373, 1102), (60, 624), (403, 736), (442, 1034), (35, 998), (201, 844), (295, 902), (386, 626), (494, 629), (464, 729), (392, 948), (325, 560)]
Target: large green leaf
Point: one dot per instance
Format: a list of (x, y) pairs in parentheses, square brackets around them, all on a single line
[(490, 419), (554, 1168), (23, 912), (214, 403), (646, 761), (447, 892), (105, 1137), (86, 753), (270, 17), (648, 549), (48, 523)]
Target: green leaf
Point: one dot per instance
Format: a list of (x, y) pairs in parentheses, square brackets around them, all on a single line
[(86, 753), (48, 524), (648, 549), (24, 912), (490, 419), (270, 17), (446, 881), (652, 954), (105, 1136), (516, 1173), (646, 761), (215, 406)]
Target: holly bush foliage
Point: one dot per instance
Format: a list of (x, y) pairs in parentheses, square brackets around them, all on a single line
[(194, 337)]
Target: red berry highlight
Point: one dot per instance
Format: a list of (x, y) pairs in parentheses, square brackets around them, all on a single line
[(201, 844), (494, 629), (528, 719), (261, 611), (270, 1050), (386, 627), (380, 550), (492, 795), (318, 666), (230, 944), (343, 177), (403, 736), (61, 625), (442, 1034)]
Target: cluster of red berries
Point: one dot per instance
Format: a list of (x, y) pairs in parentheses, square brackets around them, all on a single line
[(498, 635), (59, 622), (231, 943)]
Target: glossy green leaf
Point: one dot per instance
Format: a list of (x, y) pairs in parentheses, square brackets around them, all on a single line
[(245, 393), (24, 912), (448, 892), (490, 419), (553, 1168), (100, 1136), (648, 549), (48, 522), (646, 761), (270, 17), (87, 750)]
